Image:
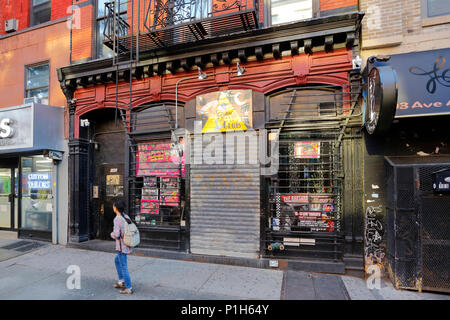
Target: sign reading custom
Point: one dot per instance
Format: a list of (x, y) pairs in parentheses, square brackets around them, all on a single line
[(381, 95), (229, 110), (38, 180), (424, 83)]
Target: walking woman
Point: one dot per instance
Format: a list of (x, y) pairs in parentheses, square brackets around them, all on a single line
[(122, 250)]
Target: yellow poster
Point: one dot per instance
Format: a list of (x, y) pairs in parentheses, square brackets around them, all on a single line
[(229, 110)]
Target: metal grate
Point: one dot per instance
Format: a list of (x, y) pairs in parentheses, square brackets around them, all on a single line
[(418, 225), (305, 197), (426, 177), (436, 242), (156, 177)]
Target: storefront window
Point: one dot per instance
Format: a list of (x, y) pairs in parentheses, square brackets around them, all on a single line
[(159, 170), (37, 197)]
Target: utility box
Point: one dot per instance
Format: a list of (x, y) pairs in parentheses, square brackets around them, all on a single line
[(418, 223)]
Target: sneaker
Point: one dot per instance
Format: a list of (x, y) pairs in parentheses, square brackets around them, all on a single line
[(119, 285), (126, 291)]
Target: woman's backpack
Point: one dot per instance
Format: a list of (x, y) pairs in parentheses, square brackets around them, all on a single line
[(131, 237)]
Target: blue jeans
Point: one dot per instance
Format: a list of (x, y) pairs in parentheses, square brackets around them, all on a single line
[(122, 269)]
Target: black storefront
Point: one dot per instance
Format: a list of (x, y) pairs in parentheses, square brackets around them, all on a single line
[(303, 93), (407, 208)]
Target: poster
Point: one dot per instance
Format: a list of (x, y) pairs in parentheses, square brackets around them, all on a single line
[(159, 158), (149, 207), (222, 111), (307, 150), (306, 212)]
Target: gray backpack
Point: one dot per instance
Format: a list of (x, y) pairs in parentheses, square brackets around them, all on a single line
[(131, 237)]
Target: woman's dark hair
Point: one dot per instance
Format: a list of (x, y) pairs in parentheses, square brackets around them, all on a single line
[(120, 205)]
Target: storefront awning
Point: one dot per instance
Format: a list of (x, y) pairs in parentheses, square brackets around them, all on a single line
[(423, 83), (31, 127)]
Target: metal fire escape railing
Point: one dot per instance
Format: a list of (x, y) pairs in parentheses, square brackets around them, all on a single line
[(165, 23)]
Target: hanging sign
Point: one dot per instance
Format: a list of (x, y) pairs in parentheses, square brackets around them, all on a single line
[(229, 110), (381, 96)]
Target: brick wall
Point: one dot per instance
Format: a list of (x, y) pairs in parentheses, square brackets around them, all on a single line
[(60, 8), (84, 34), (20, 10), (336, 4), (397, 26)]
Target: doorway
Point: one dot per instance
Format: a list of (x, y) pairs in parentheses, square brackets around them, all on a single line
[(8, 198), (106, 135)]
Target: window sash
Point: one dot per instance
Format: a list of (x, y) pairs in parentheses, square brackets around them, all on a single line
[(38, 82), (280, 9), (435, 8)]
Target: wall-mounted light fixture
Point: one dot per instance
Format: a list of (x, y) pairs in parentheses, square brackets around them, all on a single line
[(240, 71), (201, 75), (84, 123)]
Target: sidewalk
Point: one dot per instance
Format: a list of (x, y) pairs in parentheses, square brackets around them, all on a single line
[(41, 274)]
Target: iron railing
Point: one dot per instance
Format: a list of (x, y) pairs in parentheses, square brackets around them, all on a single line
[(165, 23)]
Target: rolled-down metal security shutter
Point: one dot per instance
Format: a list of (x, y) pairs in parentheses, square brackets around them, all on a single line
[(225, 204)]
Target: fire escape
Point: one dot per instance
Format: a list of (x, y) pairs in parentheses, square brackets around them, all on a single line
[(137, 28), (133, 27)]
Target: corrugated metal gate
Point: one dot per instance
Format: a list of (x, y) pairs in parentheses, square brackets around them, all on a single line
[(225, 200)]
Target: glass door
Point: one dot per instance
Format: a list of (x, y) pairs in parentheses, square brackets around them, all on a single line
[(6, 198), (37, 197)]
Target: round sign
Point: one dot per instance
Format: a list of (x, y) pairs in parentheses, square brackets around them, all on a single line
[(382, 91)]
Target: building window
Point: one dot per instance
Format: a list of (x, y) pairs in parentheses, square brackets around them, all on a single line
[(284, 11), (102, 50), (37, 81), (40, 11), (434, 8)]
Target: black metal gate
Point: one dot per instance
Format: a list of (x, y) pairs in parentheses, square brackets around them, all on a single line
[(304, 199), (418, 224)]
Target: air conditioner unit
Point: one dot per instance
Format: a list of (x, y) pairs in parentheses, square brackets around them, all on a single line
[(11, 25)]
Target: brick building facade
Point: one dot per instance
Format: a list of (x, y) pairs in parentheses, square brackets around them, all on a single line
[(285, 48), (34, 42)]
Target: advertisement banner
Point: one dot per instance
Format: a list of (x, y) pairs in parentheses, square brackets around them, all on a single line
[(222, 111), (306, 212), (158, 158)]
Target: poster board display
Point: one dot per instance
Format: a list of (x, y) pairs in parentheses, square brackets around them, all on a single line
[(160, 164), (306, 212), (307, 150), (222, 111)]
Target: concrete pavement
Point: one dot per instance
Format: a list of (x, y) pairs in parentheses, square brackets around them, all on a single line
[(40, 273)]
